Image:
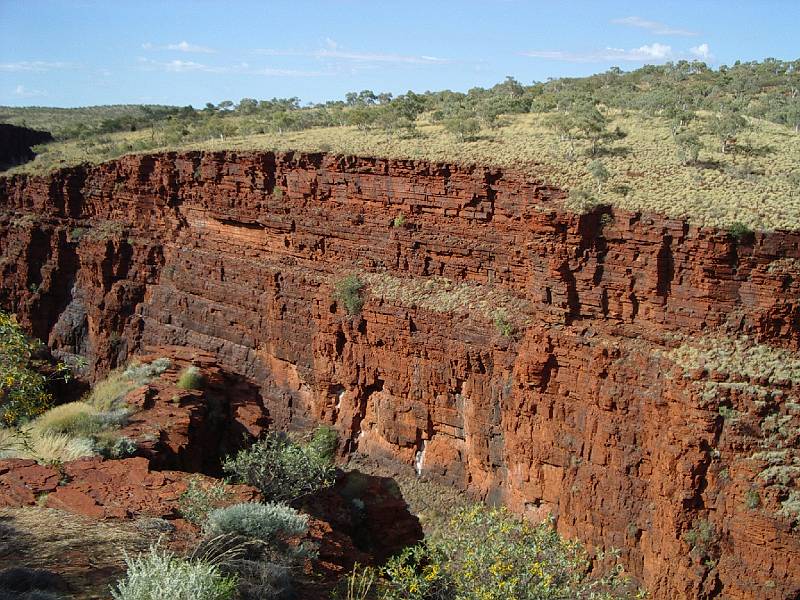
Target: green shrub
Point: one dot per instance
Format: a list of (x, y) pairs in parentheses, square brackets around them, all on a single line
[(159, 574), (270, 523), (199, 499), (190, 379), (503, 324), (399, 220), (701, 537), (752, 499), (489, 554), (282, 469), (348, 292), (740, 231), (23, 389), (324, 442)]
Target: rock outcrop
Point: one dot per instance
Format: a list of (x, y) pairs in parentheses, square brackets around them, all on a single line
[(633, 376)]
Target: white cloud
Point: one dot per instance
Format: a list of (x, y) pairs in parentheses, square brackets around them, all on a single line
[(333, 52), (269, 72), (183, 46), (702, 51), (188, 66), (22, 92), (35, 65), (648, 53), (655, 27)]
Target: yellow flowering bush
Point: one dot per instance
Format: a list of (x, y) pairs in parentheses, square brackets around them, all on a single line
[(23, 389), (490, 554)]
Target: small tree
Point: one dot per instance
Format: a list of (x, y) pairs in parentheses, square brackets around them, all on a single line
[(590, 123), (464, 126), (599, 173), (688, 144), (725, 127)]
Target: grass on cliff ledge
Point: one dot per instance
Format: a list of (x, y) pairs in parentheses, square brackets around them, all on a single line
[(757, 187)]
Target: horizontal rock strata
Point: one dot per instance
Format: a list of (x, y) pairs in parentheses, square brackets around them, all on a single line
[(628, 374)]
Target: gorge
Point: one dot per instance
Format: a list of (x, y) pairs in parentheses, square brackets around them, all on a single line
[(630, 375)]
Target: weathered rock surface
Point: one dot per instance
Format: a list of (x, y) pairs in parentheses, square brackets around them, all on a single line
[(582, 413)]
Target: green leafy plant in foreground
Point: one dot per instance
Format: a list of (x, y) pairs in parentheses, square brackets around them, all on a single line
[(489, 554), (23, 389), (159, 574)]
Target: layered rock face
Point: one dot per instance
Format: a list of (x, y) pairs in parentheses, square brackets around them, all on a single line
[(634, 377)]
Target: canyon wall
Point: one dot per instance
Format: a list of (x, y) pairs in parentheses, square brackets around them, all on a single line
[(632, 376)]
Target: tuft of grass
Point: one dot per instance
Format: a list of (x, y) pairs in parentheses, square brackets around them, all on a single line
[(73, 418), (191, 378), (109, 393), (56, 448)]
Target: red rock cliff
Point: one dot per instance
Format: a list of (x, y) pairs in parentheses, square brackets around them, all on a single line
[(634, 376)]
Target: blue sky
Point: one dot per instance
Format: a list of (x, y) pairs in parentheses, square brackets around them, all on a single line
[(84, 52)]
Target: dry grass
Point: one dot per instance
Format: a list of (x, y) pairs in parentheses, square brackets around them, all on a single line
[(65, 418), (758, 189), (47, 448), (87, 553), (737, 356), (108, 393), (440, 294)]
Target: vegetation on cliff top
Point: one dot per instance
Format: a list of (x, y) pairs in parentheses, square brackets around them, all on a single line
[(720, 147)]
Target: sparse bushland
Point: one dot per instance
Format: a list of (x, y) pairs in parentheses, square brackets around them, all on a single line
[(440, 294), (633, 121), (741, 356), (489, 554), (282, 469), (160, 574)]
